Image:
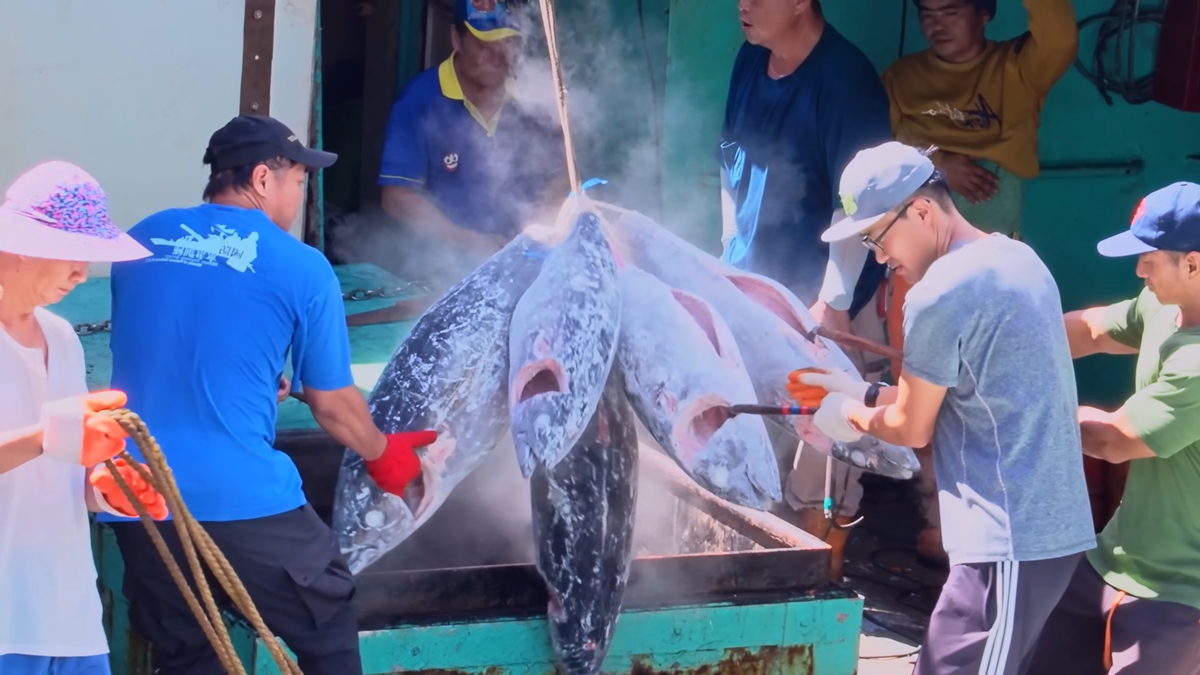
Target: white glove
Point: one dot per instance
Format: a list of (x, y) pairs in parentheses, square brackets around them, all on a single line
[(837, 382), (831, 418)]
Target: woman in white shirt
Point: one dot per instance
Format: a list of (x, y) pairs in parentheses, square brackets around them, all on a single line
[(53, 222)]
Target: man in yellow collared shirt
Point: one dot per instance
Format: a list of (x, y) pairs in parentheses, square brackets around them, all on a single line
[(979, 102), (464, 165)]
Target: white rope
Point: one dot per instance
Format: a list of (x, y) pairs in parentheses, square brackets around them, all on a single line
[(560, 90)]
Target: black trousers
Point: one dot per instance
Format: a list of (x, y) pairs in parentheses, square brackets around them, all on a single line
[(292, 570)]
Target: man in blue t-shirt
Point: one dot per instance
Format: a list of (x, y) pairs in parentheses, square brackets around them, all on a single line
[(200, 334), (464, 165), (802, 101)]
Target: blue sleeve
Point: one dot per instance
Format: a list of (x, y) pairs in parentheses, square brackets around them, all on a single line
[(732, 103), (854, 116), (405, 158), (934, 324), (321, 343)]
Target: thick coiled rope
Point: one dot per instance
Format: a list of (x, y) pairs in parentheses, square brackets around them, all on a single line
[(196, 545)]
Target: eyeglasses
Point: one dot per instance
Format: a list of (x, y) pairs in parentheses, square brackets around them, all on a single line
[(875, 244)]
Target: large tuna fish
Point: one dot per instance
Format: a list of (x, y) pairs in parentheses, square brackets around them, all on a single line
[(450, 374), (769, 324), (562, 346), (682, 370), (583, 517)]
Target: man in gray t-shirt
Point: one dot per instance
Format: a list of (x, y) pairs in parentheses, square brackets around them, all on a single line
[(988, 376)]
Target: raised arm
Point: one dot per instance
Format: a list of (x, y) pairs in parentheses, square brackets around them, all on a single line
[(1050, 47)]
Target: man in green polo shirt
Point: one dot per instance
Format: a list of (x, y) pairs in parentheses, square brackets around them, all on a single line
[(1134, 604)]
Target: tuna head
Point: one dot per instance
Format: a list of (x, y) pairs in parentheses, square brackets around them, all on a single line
[(374, 522), (449, 374), (563, 339), (683, 370), (770, 326)]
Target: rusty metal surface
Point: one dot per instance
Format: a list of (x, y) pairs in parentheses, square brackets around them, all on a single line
[(768, 660), (258, 51)]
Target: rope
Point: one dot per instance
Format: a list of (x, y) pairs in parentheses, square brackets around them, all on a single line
[(196, 544), (560, 90)]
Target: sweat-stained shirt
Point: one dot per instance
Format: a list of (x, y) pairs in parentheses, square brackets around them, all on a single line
[(989, 107), (1151, 546), (986, 323)]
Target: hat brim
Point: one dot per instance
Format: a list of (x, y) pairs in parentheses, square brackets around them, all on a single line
[(1123, 245), (21, 235), (493, 34), (316, 159), (848, 227)]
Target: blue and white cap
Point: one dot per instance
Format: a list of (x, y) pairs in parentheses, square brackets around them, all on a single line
[(876, 181), (1167, 219)]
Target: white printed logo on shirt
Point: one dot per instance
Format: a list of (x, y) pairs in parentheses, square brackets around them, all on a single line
[(197, 251)]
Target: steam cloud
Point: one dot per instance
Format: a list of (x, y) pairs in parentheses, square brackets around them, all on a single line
[(616, 108)]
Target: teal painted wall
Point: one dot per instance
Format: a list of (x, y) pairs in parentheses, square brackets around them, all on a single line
[(692, 44)]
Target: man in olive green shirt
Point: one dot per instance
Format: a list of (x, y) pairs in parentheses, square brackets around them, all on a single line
[(1134, 604)]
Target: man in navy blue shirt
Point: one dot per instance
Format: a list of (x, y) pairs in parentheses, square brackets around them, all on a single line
[(802, 101), (464, 164), (200, 333)]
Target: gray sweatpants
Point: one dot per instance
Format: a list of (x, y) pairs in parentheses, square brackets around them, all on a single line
[(989, 615), (1149, 637)]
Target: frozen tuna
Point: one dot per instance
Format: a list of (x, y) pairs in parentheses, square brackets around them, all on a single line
[(769, 325), (562, 346), (583, 518), (450, 374), (682, 370)]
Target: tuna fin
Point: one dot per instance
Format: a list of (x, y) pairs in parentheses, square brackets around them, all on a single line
[(701, 313), (775, 299)]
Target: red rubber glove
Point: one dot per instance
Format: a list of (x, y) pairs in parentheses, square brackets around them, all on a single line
[(399, 464), (113, 500)]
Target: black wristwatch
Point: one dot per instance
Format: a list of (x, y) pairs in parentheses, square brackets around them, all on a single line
[(872, 394)]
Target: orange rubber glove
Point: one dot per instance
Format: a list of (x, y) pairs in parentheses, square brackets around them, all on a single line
[(75, 432), (399, 464), (110, 497), (805, 394)]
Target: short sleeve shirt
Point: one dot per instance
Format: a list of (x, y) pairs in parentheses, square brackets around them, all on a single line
[(1151, 546), (201, 332), (483, 174), (49, 604), (986, 323), (784, 144)]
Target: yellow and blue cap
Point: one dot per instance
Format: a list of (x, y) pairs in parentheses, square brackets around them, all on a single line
[(488, 20)]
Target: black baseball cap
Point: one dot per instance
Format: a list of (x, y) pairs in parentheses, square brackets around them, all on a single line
[(249, 139)]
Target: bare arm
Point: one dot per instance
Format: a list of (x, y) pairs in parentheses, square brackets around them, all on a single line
[(1086, 334), (344, 415), (909, 419), (19, 446), (1110, 436), (411, 206)]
